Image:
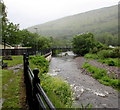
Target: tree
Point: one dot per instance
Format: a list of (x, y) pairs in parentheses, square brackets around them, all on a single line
[(3, 18), (83, 43), (107, 38), (9, 30), (11, 34), (43, 43)]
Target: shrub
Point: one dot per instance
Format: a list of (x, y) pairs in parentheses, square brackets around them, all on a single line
[(111, 53), (116, 52), (111, 63), (41, 62), (115, 83), (57, 90), (91, 56), (60, 88), (101, 75), (83, 43), (105, 54)]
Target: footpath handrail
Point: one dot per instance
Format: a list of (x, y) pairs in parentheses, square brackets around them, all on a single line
[(35, 96)]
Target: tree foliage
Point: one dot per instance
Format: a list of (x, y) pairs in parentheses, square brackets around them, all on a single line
[(9, 30), (10, 34), (84, 43), (108, 38)]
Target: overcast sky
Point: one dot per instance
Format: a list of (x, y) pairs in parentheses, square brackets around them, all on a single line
[(31, 12)]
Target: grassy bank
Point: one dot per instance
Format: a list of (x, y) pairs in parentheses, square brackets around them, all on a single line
[(101, 76), (108, 61), (16, 60), (11, 84), (57, 90)]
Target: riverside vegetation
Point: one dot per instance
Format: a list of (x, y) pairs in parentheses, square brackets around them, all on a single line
[(109, 57), (11, 81), (101, 76), (57, 90), (86, 45)]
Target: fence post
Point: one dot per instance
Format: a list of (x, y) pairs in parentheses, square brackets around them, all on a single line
[(29, 98), (35, 91), (24, 65)]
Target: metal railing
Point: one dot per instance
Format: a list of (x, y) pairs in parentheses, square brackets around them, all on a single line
[(35, 96)]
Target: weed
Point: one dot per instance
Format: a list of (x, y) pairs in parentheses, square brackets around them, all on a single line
[(57, 90), (11, 89), (16, 60), (40, 62), (86, 107), (101, 76), (91, 56), (108, 61)]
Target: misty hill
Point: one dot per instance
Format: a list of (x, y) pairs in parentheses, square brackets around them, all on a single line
[(96, 21)]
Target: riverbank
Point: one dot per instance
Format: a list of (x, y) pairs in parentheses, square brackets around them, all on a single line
[(86, 89)]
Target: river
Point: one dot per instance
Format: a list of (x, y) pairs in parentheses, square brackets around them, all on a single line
[(86, 89)]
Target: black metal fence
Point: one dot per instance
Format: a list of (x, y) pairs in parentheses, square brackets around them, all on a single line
[(30, 51), (35, 95)]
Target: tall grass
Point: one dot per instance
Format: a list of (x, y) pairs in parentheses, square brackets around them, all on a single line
[(11, 89), (16, 60), (57, 90), (11, 84), (108, 61), (101, 76)]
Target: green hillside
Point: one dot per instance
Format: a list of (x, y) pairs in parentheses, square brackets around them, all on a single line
[(96, 21)]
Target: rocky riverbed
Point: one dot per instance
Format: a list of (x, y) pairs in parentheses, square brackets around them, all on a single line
[(86, 89)]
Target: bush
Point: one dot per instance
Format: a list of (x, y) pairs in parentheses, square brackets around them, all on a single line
[(60, 88), (111, 53), (116, 52), (91, 56), (101, 75), (105, 54), (57, 90), (111, 63), (115, 83), (41, 62), (83, 43)]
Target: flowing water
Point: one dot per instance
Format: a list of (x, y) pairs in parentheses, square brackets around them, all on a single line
[(86, 89)]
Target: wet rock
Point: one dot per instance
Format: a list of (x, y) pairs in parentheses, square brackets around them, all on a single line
[(72, 85), (66, 78), (104, 105), (1, 102), (99, 94), (7, 58), (11, 80), (57, 70), (77, 97)]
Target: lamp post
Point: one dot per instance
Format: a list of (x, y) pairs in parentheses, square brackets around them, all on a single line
[(37, 41)]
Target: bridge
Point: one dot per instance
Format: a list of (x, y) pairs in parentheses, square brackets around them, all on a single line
[(62, 48), (32, 51)]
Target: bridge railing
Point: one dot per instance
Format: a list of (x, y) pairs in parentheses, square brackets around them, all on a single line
[(35, 96)]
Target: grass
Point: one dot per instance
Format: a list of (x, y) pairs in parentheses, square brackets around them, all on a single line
[(58, 91), (16, 60), (91, 56), (59, 88), (108, 61), (11, 88), (11, 84), (0, 83), (101, 76)]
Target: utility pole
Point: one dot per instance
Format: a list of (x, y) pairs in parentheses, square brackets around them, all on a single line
[(37, 41)]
